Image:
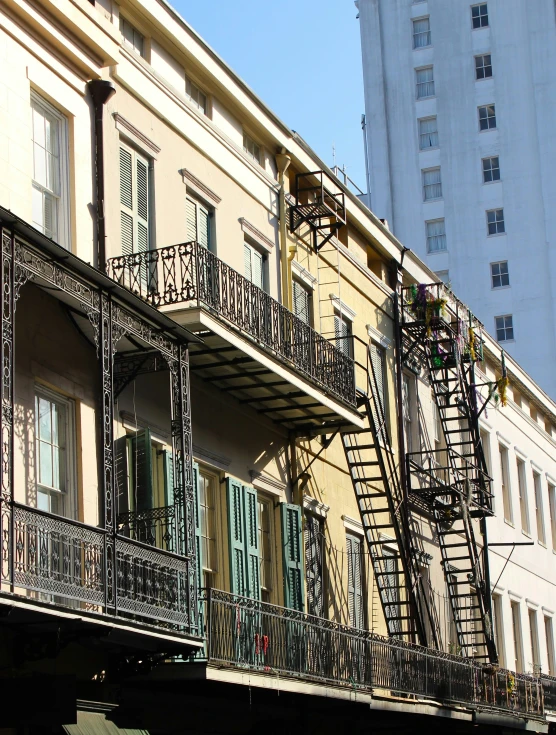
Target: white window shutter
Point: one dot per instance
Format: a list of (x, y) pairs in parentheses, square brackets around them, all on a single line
[(301, 302), (126, 178), (134, 202), (204, 228), (247, 261), (191, 220), (258, 274)]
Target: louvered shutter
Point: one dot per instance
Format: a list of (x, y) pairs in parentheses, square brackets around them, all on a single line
[(301, 302), (292, 544), (377, 361), (236, 532), (247, 262), (121, 473), (142, 171), (168, 477), (141, 459), (134, 202), (313, 565), (204, 228), (258, 268), (198, 528), (355, 581), (342, 332), (252, 554), (126, 200), (191, 220)]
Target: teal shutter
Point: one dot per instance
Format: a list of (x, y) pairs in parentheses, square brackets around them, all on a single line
[(141, 460), (236, 530), (121, 470), (198, 525), (292, 545), (168, 477), (355, 581), (252, 555)]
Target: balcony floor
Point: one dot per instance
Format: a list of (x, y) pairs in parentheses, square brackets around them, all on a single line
[(254, 376)]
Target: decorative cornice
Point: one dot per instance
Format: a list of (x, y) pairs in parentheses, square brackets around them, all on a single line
[(378, 337), (352, 525), (132, 421), (268, 484), (342, 307), (191, 181), (212, 459), (139, 138), (303, 274), (260, 238), (315, 507)]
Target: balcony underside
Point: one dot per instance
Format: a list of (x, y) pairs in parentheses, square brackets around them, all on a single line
[(238, 366)]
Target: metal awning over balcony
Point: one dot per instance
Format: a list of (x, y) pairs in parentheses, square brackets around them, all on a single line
[(253, 347)]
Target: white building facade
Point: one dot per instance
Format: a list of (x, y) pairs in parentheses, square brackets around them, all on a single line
[(459, 102)]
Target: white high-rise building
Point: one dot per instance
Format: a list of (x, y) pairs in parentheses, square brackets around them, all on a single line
[(461, 110)]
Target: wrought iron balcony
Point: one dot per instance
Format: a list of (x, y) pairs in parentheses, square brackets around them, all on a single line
[(155, 526), (65, 562), (248, 634), (192, 276)]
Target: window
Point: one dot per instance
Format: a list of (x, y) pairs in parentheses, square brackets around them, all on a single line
[(354, 549), (518, 644), (198, 223), (301, 302), (252, 149), (498, 627), (314, 556), (132, 38), (425, 82), (499, 274), (265, 546), (342, 331), (537, 483), (506, 499), (549, 634), (207, 526), (421, 32), (195, 96), (432, 184), (243, 526), (504, 328), (534, 633), (255, 264), (50, 171), (428, 133), (487, 117), (134, 201), (522, 488), (443, 276), (483, 66), (479, 16), (552, 510), (436, 236), (495, 222), (491, 169), (54, 435)]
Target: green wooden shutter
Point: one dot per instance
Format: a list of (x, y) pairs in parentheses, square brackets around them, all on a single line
[(126, 201), (355, 581), (191, 220), (236, 530), (252, 554), (141, 460), (121, 472), (168, 477), (292, 544)]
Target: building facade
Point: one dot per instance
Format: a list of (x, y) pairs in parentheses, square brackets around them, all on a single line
[(252, 450), (459, 171)]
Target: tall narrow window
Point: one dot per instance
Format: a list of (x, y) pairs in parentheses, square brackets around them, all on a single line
[(131, 37), (549, 635), (506, 498), (195, 96), (487, 117), (265, 546), (552, 509), (342, 332), (428, 133), (354, 548), (254, 262), (134, 201), (498, 627), (541, 534), (425, 82), (252, 149), (522, 487), (314, 564), (54, 428), (518, 642), (50, 171), (301, 302), (479, 16), (378, 359), (534, 633), (436, 236), (491, 169), (483, 66), (432, 184), (207, 512), (198, 223), (421, 32)]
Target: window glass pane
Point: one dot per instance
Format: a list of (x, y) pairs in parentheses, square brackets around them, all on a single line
[(428, 133), (432, 185), (425, 82), (436, 235), (421, 33)]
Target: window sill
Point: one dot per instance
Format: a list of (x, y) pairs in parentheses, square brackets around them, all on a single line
[(421, 48), (488, 130), (499, 288), (435, 199), (436, 252), (430, 97), (509, 523), (489, 183), (497, 234), (429, 148), (505, 341), (484, 79), (541, 543), (526, 533)]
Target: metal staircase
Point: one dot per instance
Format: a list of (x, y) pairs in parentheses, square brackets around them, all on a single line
[(384, 515), (453, 481)]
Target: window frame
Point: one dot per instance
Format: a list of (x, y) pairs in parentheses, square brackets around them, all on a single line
[(263, 499), (539, 506), (421, 135), (552, 512), (431, 81), (523, 495), (429, 187), (517, 634), (549, 638), (421, 33), (63, 213), (133, 212), (488, 117), (360, 540), (123, 19), (200, 205), (534, 638), (342, 318), (491, 170), (483, 67), (430, 237), (498, 627), (507, 504), (297, 282), (496, 328), (204, 111), (210, 573), (253, 247), (481, 25), (248, 139), (496, 222)]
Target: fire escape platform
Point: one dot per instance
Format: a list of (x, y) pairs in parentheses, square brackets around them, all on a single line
[(236, 364)]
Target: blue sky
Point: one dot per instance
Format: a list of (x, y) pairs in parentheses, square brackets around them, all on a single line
[(302, 57)]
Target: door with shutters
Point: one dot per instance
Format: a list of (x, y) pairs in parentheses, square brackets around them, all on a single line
[(199, 230), (342, 333), (379, 383), (135, 213), (354, 550)]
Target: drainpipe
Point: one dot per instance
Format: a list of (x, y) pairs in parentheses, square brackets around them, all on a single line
[(101, 90), (283, 161)]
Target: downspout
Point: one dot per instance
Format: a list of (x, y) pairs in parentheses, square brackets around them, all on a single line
[(101, 90), (283, 161)]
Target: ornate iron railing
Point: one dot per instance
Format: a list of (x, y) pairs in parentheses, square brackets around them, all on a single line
[(549, 692), (192, 275), (62, 560), (253, 635), (154, 527)]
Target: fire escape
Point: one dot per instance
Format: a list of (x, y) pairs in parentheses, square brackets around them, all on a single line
[(451, 481), (319, 203)]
